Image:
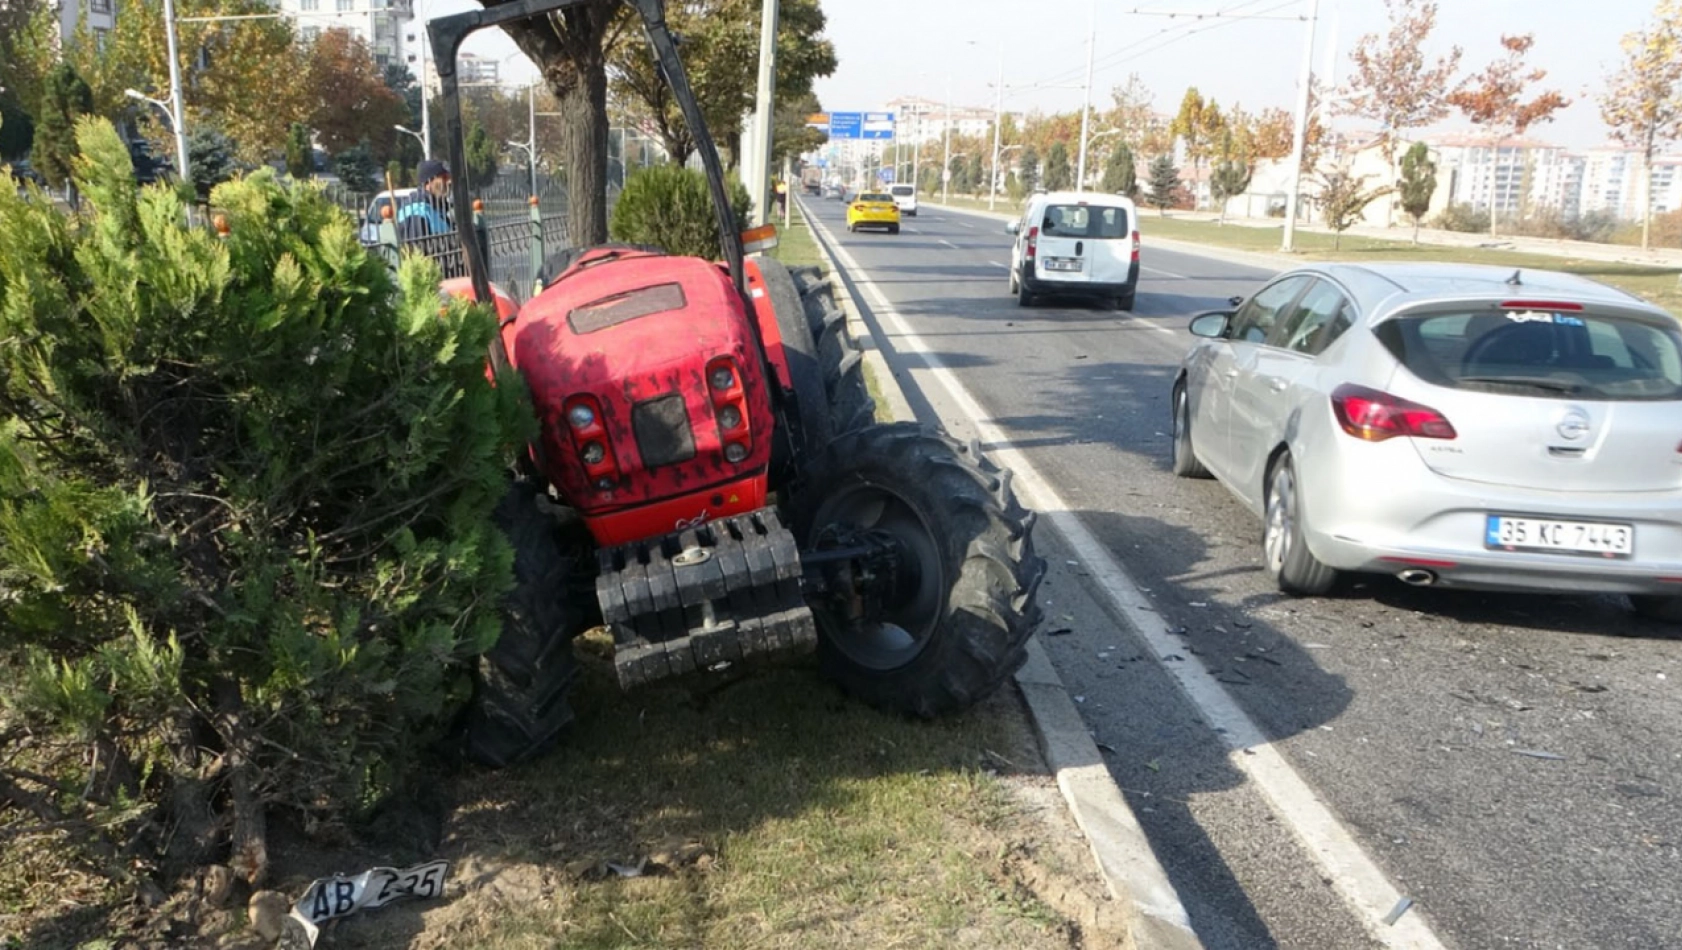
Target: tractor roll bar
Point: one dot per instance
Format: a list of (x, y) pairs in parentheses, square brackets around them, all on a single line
[(447, 34)]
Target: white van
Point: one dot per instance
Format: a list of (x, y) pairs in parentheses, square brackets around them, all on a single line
[(905, 196), (1077, 244)]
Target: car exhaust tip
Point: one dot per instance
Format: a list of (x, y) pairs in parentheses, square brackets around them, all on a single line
[(1417, 577)]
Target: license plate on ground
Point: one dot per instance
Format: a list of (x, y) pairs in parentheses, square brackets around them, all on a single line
[(1506, 533), (1062, 263)]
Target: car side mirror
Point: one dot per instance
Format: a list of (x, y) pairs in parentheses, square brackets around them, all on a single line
[(1212, 325), (1013, 227)]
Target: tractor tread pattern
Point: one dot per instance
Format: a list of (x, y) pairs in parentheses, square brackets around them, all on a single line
[(520, 703)]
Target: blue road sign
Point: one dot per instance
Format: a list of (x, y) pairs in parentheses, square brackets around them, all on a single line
[(885, 175), (878, 126), (846, 125)]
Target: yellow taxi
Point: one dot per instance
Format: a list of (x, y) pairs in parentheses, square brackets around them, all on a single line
[(873, 209)]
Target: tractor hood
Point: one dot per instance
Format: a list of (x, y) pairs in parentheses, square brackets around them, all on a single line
[(647, 379)]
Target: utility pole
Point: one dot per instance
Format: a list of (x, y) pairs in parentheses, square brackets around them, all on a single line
[(998, 123), (946, 160), (426, 113), (181, 170), (1086, 108), (917, 153), (760, 184), (531, 131), (1299, 139)]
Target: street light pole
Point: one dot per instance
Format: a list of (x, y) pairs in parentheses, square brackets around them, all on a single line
[(1299, 139), (998, 124), (178, 113), (1086, 108), (531, 131), (946, 161), (760, 185)]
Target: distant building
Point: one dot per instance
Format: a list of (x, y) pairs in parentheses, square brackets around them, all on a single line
[(1612, 182), (383, 24), (924, 120), (1512, 176), (100, 17)]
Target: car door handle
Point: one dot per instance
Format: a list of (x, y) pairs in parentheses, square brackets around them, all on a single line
[(1277, 385)]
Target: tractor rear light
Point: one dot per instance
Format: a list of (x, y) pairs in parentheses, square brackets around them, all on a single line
[(728, 399), (1033, 237), (721, 376), (1135, 245), (1374, 416), (595, 449)]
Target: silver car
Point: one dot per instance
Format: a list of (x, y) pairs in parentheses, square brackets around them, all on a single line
[(1448, 424)]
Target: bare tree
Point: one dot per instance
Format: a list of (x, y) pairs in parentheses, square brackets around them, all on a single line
[(1494, 99), (1642, 103)]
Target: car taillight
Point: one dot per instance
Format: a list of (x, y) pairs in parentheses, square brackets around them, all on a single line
[(1135, 245), (1374, 416), (730, 409), (590, 439), (1033, 235)]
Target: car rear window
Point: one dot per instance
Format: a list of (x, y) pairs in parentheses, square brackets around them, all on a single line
[(1564, 354), (874, 196), (1085, 221), (902, 189)]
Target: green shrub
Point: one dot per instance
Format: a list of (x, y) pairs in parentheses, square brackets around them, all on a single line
[(246, 486), (669, 206)]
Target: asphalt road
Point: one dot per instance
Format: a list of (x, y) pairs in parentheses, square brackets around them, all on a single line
[(1510, 762)]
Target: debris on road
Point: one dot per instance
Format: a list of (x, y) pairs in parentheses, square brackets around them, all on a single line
[(1538, 754), (329, 898), (1060, 632), (1397, 911)]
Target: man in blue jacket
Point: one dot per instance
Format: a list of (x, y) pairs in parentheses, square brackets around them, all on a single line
[(427, 211)]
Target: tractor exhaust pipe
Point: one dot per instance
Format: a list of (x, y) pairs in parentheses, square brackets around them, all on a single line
[(1417, 577)]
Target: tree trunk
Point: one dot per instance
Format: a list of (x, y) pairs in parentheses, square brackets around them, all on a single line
[(1416, 230), (584, 150), (1647, 199)]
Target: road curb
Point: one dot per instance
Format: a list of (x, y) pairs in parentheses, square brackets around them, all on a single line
[(1131, 871)]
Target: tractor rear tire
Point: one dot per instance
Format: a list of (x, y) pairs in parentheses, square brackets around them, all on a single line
[(519, 705), (959, 627)]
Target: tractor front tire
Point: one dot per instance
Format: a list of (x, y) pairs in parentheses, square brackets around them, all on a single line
[(951, 625), (519, 705)]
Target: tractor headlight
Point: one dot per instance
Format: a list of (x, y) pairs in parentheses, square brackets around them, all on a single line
[(593, 453), (730, 417), (722, 378), (581, 416), (735, 452)]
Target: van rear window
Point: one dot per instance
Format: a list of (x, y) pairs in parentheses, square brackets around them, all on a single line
[(1564, 355), (1085, 221), (902, 190)]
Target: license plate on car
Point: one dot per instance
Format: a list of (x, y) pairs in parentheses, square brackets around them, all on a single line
[(1506, 533), (1062, 263)]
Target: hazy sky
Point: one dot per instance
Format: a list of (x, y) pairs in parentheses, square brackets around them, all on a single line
[(891, 48)]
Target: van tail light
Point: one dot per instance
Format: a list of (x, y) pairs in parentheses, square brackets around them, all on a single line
[(1033, 236), (1135, 245), (730, 410), (590, 440), (1374, 416)]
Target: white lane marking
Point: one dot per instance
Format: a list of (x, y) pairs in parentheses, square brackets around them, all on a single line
[(950, 244), (1001, 264), (1154, 326), (1165, 273), (1342, 862)]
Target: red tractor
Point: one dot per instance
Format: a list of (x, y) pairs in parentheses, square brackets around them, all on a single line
[(711, 484)]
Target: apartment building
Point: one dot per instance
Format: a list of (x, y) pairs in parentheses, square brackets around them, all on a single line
[(385, 25), (99, 16), (924, 120), (1612, 182)]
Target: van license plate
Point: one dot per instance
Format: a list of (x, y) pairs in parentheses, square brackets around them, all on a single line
[(1062, 263), (1503, 533)]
